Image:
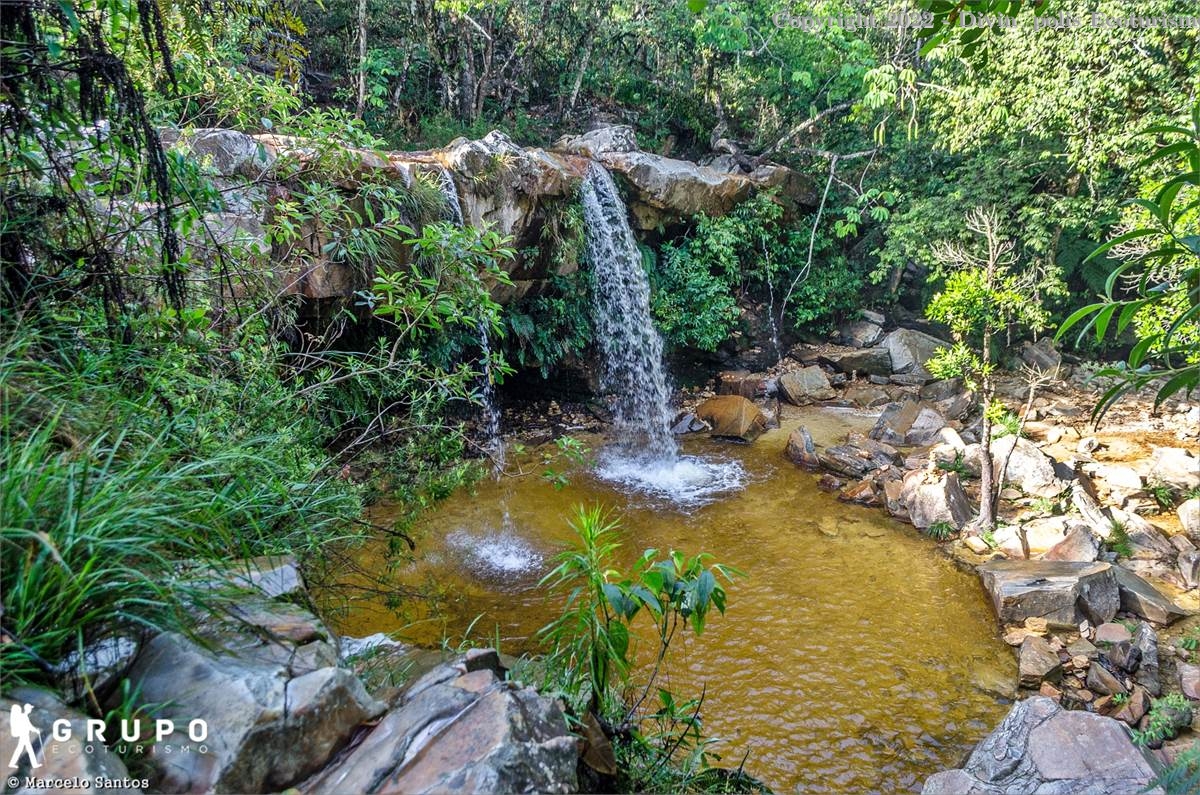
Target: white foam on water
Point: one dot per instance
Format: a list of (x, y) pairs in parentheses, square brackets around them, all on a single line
[(496, 554), (686, 481)]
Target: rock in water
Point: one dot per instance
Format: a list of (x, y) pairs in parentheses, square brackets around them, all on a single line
[(1042, 748), (733, 417), (1061, 592), (460, 731), (801, 449)]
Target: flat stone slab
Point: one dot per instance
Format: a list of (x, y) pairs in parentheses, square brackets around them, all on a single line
[(1062, 592)]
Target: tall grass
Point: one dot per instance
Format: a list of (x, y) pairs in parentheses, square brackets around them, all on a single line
[(124, 474)]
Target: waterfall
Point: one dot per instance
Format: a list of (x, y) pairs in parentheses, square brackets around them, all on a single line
[(646, 458), (494, 444), (451, 194), (771, 318), (631, 348)]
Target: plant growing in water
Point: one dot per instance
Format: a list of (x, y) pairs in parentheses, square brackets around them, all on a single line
[(590, 662)]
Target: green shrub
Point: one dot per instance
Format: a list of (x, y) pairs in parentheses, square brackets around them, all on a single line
[(590, 664), (120, 464)]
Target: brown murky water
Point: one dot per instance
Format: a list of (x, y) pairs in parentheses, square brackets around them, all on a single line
[(849, 656)]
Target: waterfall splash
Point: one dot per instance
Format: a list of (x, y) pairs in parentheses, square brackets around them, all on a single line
[(646, 457)]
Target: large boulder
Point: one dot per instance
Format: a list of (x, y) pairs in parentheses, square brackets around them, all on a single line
[(1079, 544), (936, 501), (910, 350), (276, 711), (616, 138), (227, 153), (806, 385), (860, 333), (1042, 748), (1042, 355), (461, 728), (1038, 662), (1029, 469), (894, 421), (74, 759), (733, 417), (868, 361), (1062, 592), (1189, 518)]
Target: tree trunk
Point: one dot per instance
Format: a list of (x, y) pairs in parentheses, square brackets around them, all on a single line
[(585, 56), (361, 105), (987, 485)]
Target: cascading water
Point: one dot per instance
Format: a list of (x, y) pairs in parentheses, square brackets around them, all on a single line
[(491, 411), (494, 444), (631, 349), (451, 194), (646, 457), (771, 320)]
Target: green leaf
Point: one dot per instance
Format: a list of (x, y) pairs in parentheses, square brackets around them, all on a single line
[(1116, 241)]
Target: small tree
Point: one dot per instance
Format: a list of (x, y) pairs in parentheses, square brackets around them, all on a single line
[(983, 297)]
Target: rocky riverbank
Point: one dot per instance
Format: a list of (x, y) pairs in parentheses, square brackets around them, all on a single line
[(1094, 560), (267, 698)]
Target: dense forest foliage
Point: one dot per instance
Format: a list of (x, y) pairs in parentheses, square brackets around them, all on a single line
[(161, 402)]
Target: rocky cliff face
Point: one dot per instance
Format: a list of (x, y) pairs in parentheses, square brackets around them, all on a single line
[(516, 191)]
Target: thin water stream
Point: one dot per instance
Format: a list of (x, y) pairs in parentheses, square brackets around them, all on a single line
[(850, 655)]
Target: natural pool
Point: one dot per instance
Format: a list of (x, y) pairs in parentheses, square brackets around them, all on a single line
[(850, 655)]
